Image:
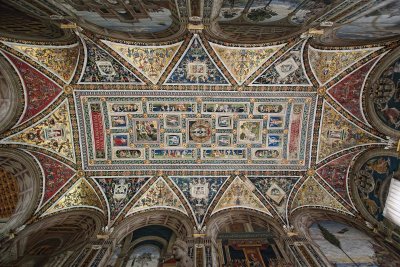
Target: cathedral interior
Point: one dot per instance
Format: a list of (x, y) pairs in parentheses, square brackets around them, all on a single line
[(199, 133)]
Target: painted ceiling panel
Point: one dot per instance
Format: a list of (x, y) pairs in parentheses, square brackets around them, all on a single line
[(129, 129), (151, 61), (34, 82), (52, 133), (60, 60), (189, 140)]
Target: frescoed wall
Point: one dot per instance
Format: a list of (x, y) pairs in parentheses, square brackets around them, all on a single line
[(261, 11), (380, 21), (132, 16), (344, 246)]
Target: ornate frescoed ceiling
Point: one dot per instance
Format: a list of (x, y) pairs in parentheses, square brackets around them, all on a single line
[(199, 125)]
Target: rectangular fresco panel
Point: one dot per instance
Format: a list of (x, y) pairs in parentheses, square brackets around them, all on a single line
[(132, 129)]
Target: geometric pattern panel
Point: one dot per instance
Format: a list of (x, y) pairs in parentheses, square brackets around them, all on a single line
[(327, 64), (196, 67), (118, 191), (129, 129), (288, 70), (312, 193), (159, 195), (276, 190), (81, 194), (34, 83), (53, 133), (239, 195), (151, 61), (199, 192), (348, 91), (242, 62), (337, 134), (56, 174), (60, 60), (335, 174), (103, 68)]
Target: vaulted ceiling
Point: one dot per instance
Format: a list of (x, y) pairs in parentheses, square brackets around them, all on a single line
[(148, 107)]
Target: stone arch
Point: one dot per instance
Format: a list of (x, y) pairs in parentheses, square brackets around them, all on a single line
[(304, 220), (28, 177), (381, 95), (228, 228), (176, 221), (234, 215), (51, 236), (369, 182), (122, 235), (11, 93)]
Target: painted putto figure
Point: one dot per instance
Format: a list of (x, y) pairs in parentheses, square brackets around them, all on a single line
[(179, 251)]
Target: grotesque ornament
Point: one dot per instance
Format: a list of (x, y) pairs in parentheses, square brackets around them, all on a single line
[(120, 190)]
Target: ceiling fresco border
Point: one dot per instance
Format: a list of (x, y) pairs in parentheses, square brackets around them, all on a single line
[(346, 151), (292, 194)]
